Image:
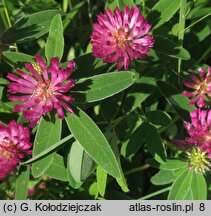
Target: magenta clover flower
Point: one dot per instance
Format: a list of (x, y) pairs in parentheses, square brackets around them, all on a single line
[(199, 131), (42, 90), (14, 145), (198, 142), (121, 36), (202, 87)]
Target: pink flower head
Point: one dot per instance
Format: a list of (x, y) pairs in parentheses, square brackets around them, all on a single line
[(31, 191), (121, 36), (201, 85), (199, 132), (43, 90), (14, 144)]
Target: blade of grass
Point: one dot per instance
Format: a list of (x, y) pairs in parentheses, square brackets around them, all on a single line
[(182, 13)]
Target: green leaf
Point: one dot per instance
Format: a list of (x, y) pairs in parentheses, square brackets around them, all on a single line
[(181, 188), (178, 101), (167, 47), (102, 86), (122, 182), (55, 42), (101, 180), (47, 151), (21, 187), (57, 169), (93, 190), (111, 106), (1, 92), (113, 140), (129, 2), (134, 142), (79, 163), (29, 27), (3, 21), (87, 66), (17, 58), (111, 4), (162, 12), (158, 117), (74, 164), (139, 92), (154, 143), (88, 165), (48, 133), (72, 13), (171, 164), (72, 181), (189, 186), (120, 4), (4, 81), (93, 141), (199, 187), (198, 9), (163, 177)]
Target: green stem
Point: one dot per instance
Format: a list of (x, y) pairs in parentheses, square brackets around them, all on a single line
[(118, 120), (137, 169), (70, 4), (89, 11), (168, 126), (47, 151), (4, 19), (6, 13), (8, 20), (199, 20), (143, 6), (155, 193), (65, 5), (183, 4), (102, 123), (204, 55), (170, 145)]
